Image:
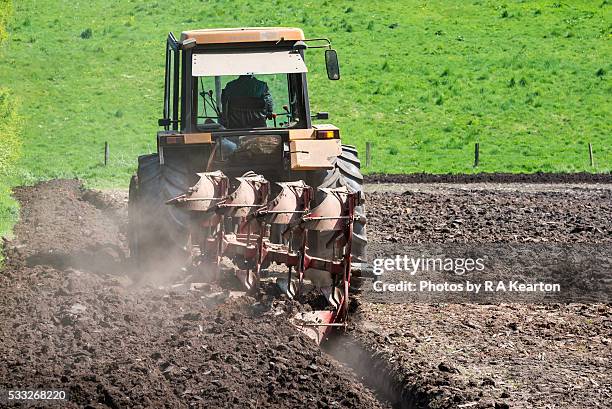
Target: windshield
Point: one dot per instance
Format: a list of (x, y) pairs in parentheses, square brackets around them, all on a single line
[(247, 89), (249, 101)]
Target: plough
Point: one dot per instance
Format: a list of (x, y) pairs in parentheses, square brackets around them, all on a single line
[(253, 231)]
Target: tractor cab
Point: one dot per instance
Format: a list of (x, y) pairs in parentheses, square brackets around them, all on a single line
[(240, 79), (240, 96)]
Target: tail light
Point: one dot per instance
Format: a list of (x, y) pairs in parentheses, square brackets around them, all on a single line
[(328, 134)]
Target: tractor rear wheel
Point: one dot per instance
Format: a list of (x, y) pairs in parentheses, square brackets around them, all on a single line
[(159, 236)]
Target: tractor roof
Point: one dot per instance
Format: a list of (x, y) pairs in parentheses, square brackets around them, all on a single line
[(243, 35)]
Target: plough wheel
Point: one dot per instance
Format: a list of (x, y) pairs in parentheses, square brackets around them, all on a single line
[(345, 173)]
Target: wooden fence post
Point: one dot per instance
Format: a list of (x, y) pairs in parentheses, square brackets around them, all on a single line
[(368, 154), (591, 155), (106, 153), (476, 154)]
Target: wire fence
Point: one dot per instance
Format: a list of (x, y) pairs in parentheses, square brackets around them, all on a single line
[(480, 156), (476, 157)]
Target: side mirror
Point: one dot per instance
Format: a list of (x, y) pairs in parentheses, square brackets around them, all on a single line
[(322, 115), (164, 122), (331, 62)]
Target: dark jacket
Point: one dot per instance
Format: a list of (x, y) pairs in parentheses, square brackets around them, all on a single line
[(248, 86)]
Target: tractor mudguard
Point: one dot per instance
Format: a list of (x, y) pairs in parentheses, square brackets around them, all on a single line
[(312, 154)]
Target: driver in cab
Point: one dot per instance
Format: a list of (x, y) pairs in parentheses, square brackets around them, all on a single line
[(246, 103)]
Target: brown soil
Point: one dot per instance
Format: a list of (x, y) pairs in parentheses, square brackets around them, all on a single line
[(65, 225), (73, 320), (448, 355), (491, 216), (485, 356)]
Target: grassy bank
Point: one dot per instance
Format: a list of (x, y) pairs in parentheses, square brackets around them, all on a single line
[(422, 81), (9, 154), (10, 143)]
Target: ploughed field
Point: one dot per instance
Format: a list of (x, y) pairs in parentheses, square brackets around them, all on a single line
[(74, 317), (454, 353)]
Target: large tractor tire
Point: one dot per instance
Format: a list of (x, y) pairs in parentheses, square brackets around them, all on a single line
[(159, 236), (346, 172)]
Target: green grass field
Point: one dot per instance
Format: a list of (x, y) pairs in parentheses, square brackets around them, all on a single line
[(10, 142), (423, 81)]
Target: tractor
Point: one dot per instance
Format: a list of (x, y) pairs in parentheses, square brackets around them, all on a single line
[(243, 172)]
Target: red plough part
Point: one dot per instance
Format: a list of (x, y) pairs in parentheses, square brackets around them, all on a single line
[(238, 225)]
